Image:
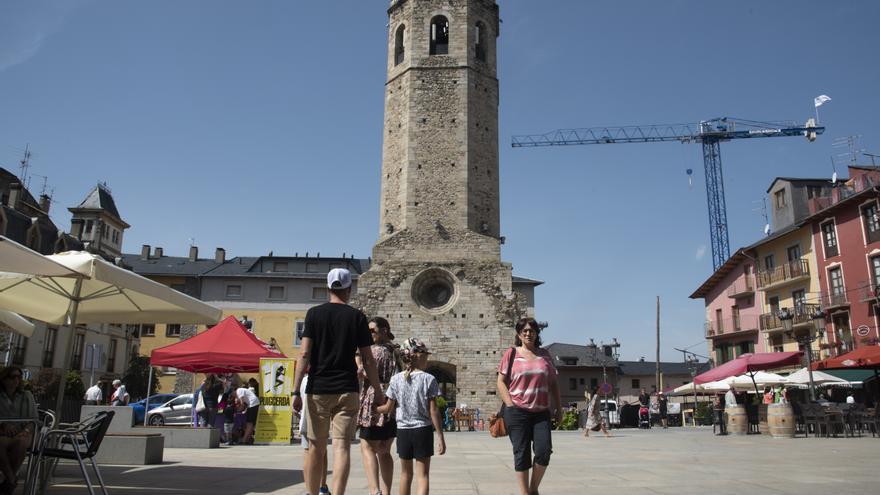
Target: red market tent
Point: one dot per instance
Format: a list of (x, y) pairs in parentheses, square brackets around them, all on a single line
[(748, 363), (227, 347), (867, 356)]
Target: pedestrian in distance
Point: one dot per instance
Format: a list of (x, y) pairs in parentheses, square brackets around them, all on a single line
[(250, 404), (94, 395), (595, 419), (662, 407), (120, 397), (211, 392), (527, 383), (718, 406), (334, 332), (413, 392), (377, 431)]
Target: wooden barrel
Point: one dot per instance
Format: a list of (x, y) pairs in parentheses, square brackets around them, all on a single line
[(780, 419), (737, 421)]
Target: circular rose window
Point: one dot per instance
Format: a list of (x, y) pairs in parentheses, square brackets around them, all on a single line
[(434, 290)]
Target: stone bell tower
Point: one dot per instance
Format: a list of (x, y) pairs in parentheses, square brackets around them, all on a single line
[(437, 272)]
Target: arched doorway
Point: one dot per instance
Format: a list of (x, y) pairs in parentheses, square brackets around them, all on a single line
[(445, 375)]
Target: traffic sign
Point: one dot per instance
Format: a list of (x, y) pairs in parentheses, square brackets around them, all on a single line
[(606, 388)]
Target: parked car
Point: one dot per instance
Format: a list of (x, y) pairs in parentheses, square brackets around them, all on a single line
[(609, 411), (155, 400), (177, 411)]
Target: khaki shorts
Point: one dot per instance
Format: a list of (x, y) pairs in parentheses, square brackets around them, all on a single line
[(332, 415)]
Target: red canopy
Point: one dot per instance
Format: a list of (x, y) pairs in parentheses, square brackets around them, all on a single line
[(227, 347), (866, 356), (749, 362)]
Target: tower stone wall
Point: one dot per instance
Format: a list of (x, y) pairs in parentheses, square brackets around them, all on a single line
[(437, 272)]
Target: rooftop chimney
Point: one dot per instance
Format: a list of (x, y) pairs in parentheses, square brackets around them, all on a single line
[(193, 253), (158, 252), (145, 252), (220, 255), (14, 195), (45, 202)]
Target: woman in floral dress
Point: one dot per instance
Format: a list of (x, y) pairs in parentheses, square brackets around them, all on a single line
[(378, 430), (595, 421)]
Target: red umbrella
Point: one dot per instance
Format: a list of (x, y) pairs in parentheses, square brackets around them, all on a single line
[(867, 356), (749, 362), (225, 348)]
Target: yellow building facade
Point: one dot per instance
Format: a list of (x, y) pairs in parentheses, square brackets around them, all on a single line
[(787, 278)]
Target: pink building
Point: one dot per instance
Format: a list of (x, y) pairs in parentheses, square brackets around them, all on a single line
[(846, 233), (732, 309)]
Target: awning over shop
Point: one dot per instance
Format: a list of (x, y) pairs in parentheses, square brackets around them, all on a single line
[(852, 376)]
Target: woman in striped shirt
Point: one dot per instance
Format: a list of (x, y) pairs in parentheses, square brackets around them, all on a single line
[(527, 384)]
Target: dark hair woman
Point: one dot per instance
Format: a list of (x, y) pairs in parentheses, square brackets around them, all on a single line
[(15, 402), (527, 384), (378, 430)]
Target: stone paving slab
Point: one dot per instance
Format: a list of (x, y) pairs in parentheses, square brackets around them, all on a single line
[(674, 461)]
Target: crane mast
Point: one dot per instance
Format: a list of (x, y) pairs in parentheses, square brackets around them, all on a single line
[(710, 133)]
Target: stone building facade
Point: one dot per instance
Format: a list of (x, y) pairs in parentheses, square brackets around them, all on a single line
[(437, 272)]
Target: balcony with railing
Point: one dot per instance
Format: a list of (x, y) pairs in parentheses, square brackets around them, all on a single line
[(832, 300), (869, 292), (841, 192), (789, 272), (727, 326), (741, 288), (803, 315)]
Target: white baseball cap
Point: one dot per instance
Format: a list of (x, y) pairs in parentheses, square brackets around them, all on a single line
[(339, 278)]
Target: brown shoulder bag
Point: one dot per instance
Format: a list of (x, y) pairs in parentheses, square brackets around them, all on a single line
[(497, 428)]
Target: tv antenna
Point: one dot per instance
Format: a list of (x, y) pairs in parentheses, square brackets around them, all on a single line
[(24, 164), (851, 144), (763, 210)]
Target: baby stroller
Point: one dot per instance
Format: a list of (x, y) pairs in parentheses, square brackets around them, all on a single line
[(644, 417)]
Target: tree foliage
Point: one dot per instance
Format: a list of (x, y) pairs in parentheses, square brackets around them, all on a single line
[(136, 377)]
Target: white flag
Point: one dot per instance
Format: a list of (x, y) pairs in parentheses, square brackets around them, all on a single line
[(819, 100)]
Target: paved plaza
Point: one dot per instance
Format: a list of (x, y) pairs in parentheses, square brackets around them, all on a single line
[(680, 461)]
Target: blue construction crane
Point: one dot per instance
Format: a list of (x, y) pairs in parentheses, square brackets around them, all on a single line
[(709, 132)]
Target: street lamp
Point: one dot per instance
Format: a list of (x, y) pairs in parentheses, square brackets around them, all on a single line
[(693, 364), (615, 355), (806, 339)]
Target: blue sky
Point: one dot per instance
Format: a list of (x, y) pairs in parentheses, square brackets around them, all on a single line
[(257, 126)]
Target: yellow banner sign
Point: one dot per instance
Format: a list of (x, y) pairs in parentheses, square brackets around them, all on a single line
[(276, 401)]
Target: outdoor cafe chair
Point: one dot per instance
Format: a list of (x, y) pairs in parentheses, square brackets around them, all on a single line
[(854, 419), (77, 442), (37, 429), (835, 421), (815, 417)]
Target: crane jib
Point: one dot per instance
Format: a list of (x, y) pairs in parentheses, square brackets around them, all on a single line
[(709, 133)]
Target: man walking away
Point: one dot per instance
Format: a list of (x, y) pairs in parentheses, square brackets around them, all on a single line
[(334, 332), (94, 395)]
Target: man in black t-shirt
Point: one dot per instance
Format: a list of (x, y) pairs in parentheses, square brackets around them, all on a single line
[(644, 398), (334, 332)]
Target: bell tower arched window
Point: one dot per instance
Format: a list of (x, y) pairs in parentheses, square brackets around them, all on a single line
[(480, 41), (399, 44), (439, 36)]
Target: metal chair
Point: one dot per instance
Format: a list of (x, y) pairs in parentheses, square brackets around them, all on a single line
[(834, 421), (77, 442), (854, 418), (815, 417)]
